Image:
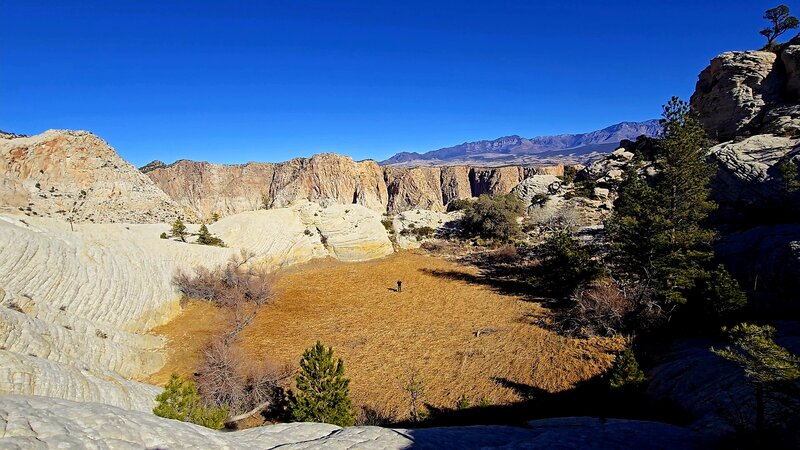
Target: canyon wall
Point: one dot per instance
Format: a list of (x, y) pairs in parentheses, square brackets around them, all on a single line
[(207, 188)]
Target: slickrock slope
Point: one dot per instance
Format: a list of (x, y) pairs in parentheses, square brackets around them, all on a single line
[(75, 307), (34, 423), (74, 175)]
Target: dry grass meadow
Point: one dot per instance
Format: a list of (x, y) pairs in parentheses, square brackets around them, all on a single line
[(431, 328)]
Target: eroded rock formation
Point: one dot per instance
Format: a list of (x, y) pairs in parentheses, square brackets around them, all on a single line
[(74, 175), (207, 188)]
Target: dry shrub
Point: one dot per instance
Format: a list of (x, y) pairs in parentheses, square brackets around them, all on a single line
[(229, 378), (375, 416), (506, 254), (236, 288), (601, 309)]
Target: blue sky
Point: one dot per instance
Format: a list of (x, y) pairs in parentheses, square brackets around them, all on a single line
[(267, 81)]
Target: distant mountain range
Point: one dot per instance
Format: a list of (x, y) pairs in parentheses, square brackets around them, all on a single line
[(563, 148)]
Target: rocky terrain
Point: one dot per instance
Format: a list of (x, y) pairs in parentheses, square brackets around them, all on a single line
[(76, 176), (206, 188), (541, 150)]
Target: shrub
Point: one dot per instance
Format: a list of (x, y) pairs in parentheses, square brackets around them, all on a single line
[(566, 264), (206, 238), (323, 393), (228, 378), (215, 217), (602, 309), (459, 204), (372, 416), (463, 402), (178, 229), (388, 223), (722, 293), (626, 372), (493, 217), (418, 232), (238, 290), (415, 389), (101, 334), (180, 400), (308, 232), (164, 236)]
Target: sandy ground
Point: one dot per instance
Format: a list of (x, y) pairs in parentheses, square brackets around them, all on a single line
[(383, 336)]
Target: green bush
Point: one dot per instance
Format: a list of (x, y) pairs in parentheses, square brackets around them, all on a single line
[(459, 204), (164, 236), (626, 372), (206, 238), (493, 217), (388, 223), (180, 400), (722, 293), (323, 393), (566, 264)]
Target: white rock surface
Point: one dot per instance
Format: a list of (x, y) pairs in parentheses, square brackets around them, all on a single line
[(407, 221), (75, 306), (43, 423)]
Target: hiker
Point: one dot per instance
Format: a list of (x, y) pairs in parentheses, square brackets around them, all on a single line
[(399, 286)]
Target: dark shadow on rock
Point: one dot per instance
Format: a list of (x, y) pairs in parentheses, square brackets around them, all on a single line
[(591, 398)]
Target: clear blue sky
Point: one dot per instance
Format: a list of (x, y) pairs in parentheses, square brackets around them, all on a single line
[(230, 81)]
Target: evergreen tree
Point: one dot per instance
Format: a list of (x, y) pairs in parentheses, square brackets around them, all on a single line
[(766, 364), (657, 228), (566, 264), (722, 293), (788, 173), (322, 390), (626, 372), (181, 400), (780, 22), (178, 229), (205, 237)]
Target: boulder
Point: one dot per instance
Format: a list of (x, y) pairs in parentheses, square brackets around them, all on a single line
[(536, 190)]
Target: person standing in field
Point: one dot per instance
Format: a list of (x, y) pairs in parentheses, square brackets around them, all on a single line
[(399, 286)]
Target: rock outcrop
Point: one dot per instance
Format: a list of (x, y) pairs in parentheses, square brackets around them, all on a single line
[(74, 175), (34, 423), (750, 92)]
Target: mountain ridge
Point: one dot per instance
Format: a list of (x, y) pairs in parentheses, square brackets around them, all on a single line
[(515, 149)]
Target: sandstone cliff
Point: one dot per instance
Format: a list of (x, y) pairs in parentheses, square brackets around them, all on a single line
[(74, 175), (207, 188)]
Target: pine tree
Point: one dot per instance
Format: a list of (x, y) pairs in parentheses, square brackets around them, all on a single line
[(626, 372), (181, 400), (766, 364), (788, 173), (657, 228), (323, 393), (566, 264), (178, 229), (722, 293), (205, 237)]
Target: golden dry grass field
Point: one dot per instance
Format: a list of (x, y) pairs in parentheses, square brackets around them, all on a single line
[(383, 336)]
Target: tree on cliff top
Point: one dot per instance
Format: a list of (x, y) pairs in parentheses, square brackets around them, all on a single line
[(781, 22)]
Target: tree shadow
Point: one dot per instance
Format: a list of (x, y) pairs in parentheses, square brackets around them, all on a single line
[(590, 398)]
